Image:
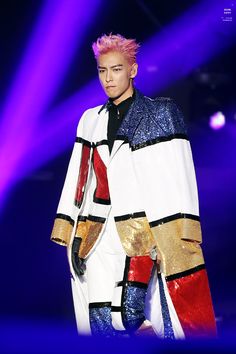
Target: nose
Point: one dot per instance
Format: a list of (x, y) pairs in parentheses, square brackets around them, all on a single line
[(108, 76)]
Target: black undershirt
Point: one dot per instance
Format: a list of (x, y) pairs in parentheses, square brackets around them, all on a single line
[(116, 115)]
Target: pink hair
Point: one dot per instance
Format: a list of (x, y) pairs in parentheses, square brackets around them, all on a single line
[(116, 43)]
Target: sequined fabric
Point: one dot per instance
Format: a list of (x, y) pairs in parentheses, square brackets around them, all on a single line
[(83, 175), (82, 229), (195, 313), (100, 321), (135, 236), (133, 307), (101, 194), (176, 250), (168, 329), (183, 226), (91, 232), (140, 125), (140, 269), (62, 230)]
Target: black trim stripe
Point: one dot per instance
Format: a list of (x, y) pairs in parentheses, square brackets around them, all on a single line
[(93, 305), (83, 141), (160, 139), (81, 218), (174, 217), (132, 283), (101, 201), (96, 219), (185, 273), (139, 214), (103, 106), (78, 203), (65, 217), (105, 142), (126, 270), (101, 142), (123, 293), (116, 308), (59, 240)]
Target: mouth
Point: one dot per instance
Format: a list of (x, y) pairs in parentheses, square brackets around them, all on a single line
[(108, 87)]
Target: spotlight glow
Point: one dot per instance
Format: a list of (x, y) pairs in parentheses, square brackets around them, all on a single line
[(217, 121)]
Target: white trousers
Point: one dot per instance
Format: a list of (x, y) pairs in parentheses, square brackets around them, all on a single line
[(104, 268)]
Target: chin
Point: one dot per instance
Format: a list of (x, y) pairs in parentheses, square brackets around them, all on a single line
[(115, 96)]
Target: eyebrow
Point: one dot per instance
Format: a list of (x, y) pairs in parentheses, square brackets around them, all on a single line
[(112, 67)]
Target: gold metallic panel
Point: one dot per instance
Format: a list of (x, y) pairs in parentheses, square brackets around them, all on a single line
[(136, 236), (82, 229), (61, 231), (189, 229), (178, 244), (89, 231)]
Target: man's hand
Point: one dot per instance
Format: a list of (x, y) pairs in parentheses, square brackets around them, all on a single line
[(77, 262)]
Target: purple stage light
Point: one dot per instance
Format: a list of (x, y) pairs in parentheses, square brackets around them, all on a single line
[(61, 132), (188, 42), (217, 121), (49, 142), (58, 33)]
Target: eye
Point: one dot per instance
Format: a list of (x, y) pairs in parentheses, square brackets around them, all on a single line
[(117, 69), (101, 71)]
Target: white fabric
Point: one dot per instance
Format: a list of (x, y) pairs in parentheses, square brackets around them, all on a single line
[(168, 168)]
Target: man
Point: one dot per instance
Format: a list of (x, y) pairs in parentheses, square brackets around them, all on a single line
[(129, 214)]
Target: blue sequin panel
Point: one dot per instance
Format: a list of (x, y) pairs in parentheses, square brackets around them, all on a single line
[(168, 329), (100, 321), (149, 119), (133, 307)]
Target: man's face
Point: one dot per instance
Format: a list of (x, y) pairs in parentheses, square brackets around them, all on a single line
[(115, 75)]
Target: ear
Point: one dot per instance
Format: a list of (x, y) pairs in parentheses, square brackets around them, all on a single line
[(134, 70)]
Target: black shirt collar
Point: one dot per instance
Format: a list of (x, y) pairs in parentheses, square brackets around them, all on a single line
[(122, 106)]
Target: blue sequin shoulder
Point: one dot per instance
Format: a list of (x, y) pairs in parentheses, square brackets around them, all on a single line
[(152, 119)]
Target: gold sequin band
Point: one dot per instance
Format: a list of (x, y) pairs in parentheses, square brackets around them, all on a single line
[(178, 244), (135, 235), (89, 230), (62, 229)]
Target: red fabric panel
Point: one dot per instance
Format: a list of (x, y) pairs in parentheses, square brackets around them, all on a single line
[(102, 190), (83, 174), (192, 301), (140, 269)]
